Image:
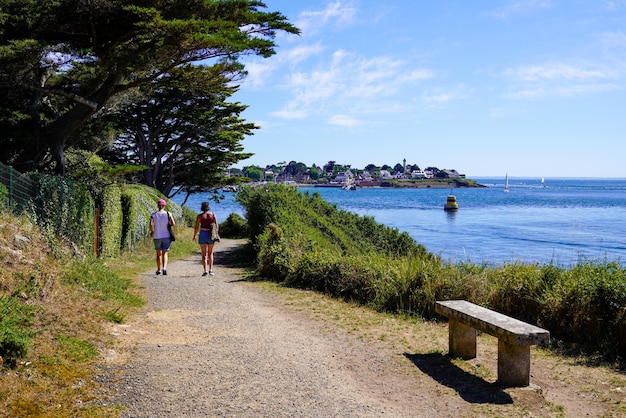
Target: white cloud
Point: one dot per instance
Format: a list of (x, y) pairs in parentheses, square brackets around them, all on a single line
[(613, 40), (290, 114), (351, 81), (614, 5), (336, 13), (515, 8), (344, 121), (560, 80), (562, 90), (558, 71), (438, 98), (261, 70)]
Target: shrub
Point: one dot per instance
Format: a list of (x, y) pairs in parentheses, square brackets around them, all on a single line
[(234, 227), (188, 216), (517, 290), (274, 254), (586, 308)]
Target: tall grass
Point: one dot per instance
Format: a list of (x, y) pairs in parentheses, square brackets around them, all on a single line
[(302, 241)]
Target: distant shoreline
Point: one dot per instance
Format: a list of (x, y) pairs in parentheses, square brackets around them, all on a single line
[(414, 184)]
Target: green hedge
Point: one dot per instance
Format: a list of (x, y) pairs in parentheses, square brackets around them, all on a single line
[(64, 208), (111, 221), (125, 216)]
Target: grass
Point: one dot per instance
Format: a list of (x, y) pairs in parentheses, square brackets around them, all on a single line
[(54, 307)]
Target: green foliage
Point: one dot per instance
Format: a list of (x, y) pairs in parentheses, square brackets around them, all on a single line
[(15, 334), (64, 208), (345, 277), (517, 289), (323, 225), (4, 197), (275, 254), (62, 62), (111, 221), (137, 204), (188, 216), (234, 227), (187, 121), (95, 173), (586, 306)]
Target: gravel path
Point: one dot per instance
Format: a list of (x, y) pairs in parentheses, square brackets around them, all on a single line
[(218, 346)]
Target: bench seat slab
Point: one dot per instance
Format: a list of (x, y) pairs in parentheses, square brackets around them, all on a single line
[(514, 338), (503, 327)]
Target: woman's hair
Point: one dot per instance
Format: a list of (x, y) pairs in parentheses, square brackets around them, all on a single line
[(204, 207)]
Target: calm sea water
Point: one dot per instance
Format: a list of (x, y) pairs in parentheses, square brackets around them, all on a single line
[(562, 222)]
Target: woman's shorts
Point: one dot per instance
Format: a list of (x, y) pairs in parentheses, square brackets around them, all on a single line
[(162, 244), (205, 238)]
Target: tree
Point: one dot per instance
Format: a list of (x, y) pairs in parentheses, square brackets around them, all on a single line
[(295, 168), (398, 168), (184, 131), (314, 173), (253, 172), (62, 61), (329, 167)]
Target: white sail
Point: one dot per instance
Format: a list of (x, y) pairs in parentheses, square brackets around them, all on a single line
[(506, 183)]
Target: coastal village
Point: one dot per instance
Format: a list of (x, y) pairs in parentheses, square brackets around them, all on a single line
[(337, 175)]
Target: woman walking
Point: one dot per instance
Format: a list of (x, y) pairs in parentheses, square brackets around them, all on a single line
[(205, 221), (161, 235)]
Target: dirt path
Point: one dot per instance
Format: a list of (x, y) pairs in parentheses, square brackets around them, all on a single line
[(219, 346)]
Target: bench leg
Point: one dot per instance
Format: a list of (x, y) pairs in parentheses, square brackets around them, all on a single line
[(461, 340), (513, 364)]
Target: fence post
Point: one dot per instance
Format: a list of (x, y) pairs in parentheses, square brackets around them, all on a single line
[(96, 230)]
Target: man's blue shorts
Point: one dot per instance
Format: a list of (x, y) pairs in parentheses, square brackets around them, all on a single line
[(162, 244)]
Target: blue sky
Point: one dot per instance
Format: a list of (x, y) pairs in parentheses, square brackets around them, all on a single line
[(525, 87)]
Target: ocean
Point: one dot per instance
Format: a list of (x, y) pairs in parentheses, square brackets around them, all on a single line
[(562, 221)]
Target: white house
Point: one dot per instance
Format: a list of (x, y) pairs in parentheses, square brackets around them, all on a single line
[(385, 175), (343, 177)]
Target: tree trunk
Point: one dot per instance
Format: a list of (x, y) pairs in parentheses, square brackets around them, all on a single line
[(61, 130)]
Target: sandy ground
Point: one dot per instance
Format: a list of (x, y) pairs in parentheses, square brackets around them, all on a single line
[(222, 347)]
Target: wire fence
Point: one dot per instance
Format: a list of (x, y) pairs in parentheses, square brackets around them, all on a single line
[(20, 189)]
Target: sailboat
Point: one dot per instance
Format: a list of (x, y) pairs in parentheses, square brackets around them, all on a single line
[(506, 183), (543, 181)]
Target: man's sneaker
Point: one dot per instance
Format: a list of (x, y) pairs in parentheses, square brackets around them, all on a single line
[(158, 272), (204, 274), (165, 272), (211, 272)]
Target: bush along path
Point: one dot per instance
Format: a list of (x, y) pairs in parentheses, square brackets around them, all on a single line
[(222, 346)]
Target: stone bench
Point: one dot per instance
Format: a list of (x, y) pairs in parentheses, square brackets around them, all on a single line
[(514, 338)]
